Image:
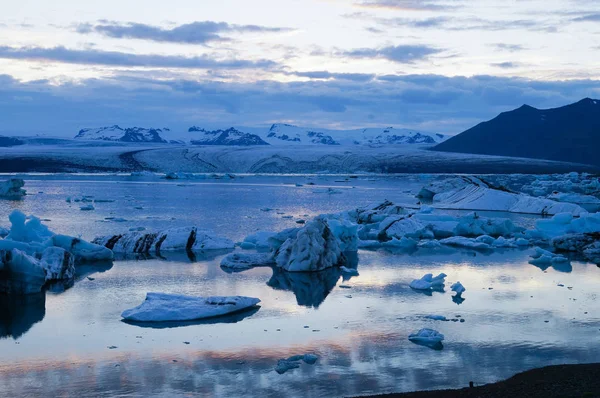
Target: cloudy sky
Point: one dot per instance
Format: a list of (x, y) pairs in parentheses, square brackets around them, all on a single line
[(435, 65)]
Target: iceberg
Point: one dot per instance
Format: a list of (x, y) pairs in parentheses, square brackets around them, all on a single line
[(314, 248), (293, 362), (32, 255), (470, 243), (427, 337), (479, 195), (244, 261), (161, 307), (543, 257), (12, 189), (174, 239), (429, 282), (458, 288)]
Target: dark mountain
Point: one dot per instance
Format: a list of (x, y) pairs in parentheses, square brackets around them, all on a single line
[(231, 136), (10, 141), (570, 133)]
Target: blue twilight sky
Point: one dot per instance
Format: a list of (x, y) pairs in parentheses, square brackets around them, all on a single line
[(435, 65)]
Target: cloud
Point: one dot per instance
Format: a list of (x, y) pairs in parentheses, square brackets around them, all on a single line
[(458, 23), (404, 54), (506, 65), (426, 102), (358, 77), (588, 18), (508, 47), (409, 5), (200, 32), (114, 58)]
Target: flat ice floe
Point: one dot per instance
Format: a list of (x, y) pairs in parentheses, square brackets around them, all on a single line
[(174, 239), (161, 307), (471, 193), (243, 261)]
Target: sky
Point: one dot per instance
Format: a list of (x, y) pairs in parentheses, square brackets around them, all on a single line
[(433, 65)]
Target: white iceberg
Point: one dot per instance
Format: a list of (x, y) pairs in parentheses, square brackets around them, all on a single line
[(173, 239), (313, 248), (12, 189), (161, 307), (428, 282), (427, 337), (479, 195)]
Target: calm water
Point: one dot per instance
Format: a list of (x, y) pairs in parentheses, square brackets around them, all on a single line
[(57, 344)]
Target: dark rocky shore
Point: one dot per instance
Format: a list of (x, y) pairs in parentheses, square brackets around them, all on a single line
[(550, 381)]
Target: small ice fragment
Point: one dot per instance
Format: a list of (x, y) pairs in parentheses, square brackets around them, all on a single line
[(458, 288)]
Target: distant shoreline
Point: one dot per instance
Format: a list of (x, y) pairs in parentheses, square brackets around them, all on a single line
[(580, 380)]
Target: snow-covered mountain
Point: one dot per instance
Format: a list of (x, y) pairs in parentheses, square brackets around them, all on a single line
[(231, 136), (278, 134), (281, 134), (116, 133)]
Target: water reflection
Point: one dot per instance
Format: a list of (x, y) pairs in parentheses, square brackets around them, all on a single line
[(310, 288), (18, 313), (186, 256)]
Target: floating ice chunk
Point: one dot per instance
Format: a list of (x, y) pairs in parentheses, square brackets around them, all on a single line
[(402, 243), (503, 242), (345, 232), (161, 307), (81, 249), (436, 317), (314, 248), (545, 257), (12, 189), (24, 274), (428, 281), (283, 365), (242, 261), (174, 239), (474, 225), (458, 288), (20, 273), (574, 198), (349, 271), (562, 224), (58, 263), (427, 337), (429, 244), (87, 207), (27, 229), (522, 242), (461, 241), (293, 362)]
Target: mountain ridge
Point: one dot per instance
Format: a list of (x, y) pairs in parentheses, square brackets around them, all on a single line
[(568, 133)]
